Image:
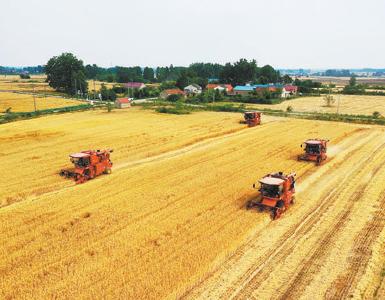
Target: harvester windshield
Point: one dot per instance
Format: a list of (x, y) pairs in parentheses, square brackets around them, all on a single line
[(271, 190), (81, 161), (249, 115), (313, 148)]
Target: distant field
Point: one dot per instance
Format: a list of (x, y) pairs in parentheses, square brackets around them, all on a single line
[(37, 83), (24, 102), (349, 104), (98, 84), (341, 81)]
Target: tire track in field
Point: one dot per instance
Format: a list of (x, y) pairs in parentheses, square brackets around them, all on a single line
[(295, 231), (201, 144), (344, 285), (180, 199), (313, 262)]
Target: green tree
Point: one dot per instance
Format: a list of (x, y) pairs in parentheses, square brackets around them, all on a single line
[(25, 76), (107, 94), (241, 72), (174, 98), (329, 100), (148, 74), (353, 81), (268, 73), (286, 79), (165, 85), (91, 71), (66, 73), (183, 81)]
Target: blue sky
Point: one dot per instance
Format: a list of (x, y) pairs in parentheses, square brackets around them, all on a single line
[(285, 34)]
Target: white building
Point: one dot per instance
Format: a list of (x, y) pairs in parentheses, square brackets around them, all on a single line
[(193, 89)]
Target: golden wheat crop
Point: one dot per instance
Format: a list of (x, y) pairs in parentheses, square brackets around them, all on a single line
[(172, 212), (26, 103), (38, 84), (96, 85), (348, 104)]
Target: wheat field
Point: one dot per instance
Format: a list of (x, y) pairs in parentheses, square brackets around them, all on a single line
[(170, 222), (348, 104), (25, 102)]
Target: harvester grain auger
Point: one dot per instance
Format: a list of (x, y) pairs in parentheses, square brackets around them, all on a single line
[(315, 150), (88, 165), (276, 193)]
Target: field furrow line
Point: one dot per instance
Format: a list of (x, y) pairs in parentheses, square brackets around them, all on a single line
[(295, 231), (353, 191), (345, 284)]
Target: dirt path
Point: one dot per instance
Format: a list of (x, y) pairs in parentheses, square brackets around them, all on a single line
[(307, 253)]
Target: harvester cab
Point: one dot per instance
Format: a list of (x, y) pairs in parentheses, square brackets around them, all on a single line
[(315, 150), (276, 193), (88, 165), (252, 118)]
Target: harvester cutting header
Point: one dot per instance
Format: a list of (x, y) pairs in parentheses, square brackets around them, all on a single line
[(88, 165)]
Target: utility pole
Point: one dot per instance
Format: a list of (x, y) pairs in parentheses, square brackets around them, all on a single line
[(76, 90), (33, 94), (338, 104), (94, 89)]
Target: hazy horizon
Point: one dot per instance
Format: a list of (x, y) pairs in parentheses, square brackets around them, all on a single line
[(285, 34)]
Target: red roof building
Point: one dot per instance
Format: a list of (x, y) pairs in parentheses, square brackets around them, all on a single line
[(216, 86), (135, 85), (166, 93), (291, 88), (122, 103)]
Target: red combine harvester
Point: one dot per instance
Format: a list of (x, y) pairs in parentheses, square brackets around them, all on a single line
[(277, 193), (252, 118), (315, 150), (88, 165)]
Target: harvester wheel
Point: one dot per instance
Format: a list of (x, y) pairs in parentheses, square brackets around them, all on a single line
[(292, 200), (250, 204), (280, 204), (319, 160), (277, 214), (107, 171)]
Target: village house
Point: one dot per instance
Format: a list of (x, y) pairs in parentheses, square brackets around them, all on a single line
[(135, 85), (122, 103), (166, 93), (243, 89), (228, 88), (289, 90), (193, 89)]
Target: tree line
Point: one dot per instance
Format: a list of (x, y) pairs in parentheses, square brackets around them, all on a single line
[(67, 73), (238, 73)]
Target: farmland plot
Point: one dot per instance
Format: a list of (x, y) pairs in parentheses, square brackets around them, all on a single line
[(348, 104), (170, 220), (25, 102), (35, 84)]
